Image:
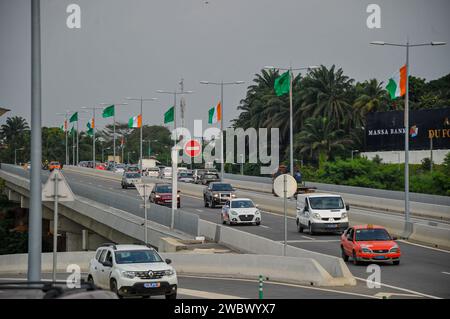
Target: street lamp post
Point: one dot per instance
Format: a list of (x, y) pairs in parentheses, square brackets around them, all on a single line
[(142, 100), (407, 45), (66, 130), (114, 130), (291, 118), (93, 131), (221, 84)]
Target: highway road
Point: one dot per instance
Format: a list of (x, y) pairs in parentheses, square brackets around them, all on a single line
[(199, 287), (424, 271)]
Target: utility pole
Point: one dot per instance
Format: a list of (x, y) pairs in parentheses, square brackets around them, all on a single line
[(35, 215)]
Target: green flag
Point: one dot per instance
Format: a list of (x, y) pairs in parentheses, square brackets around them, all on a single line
[(283, 84), (169, 116), (62, 128), (72, 131), (74, 118), (90, 130), (109, 111)]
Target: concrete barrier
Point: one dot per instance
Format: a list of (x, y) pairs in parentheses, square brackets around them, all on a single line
[(248, 243), (422, 233), (279, 269)]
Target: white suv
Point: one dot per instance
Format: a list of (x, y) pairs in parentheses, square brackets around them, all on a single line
[(133, 270)]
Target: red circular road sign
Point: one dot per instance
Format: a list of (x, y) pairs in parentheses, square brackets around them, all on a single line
[(192, 148)]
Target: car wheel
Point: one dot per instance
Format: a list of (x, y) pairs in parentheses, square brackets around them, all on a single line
[(396, 262), (113, 287), (258, 223), (91, 281), (206, 202), (343, 254), (310, 229), (299, 227), (171, 296), (355, 260)]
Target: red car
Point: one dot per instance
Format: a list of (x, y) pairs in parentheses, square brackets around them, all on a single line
[(162, 195), (369, 243), (101, 167)]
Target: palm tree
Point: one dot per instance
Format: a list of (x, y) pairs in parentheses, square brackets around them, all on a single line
[(326, 93), (372, 97), (14, 133), (319, 139)]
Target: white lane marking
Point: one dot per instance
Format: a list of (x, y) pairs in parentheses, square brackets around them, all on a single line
[(402, 289), (264, 226), (199, 210), (423, 246), (283, 284), (310, 238), (312, 241), (389, 294), (446, 273), (205, 294), (278, 215)]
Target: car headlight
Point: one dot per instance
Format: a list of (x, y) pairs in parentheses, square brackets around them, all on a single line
[(366, 250), (129, 274), (344, 215), (157, 196), (233, 195), (169, 272), (316, 216), (394, 249), (216, 195), (258, 212), (233, 212)]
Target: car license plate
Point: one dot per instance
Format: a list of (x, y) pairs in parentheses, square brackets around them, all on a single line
[(152, 285), (332, 225), (380, 257)]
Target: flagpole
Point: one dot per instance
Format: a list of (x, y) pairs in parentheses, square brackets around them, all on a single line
[(66, 128), (140, 142), (114, 139), (291, 124), (78, 150), (222, 168), (93, 140)]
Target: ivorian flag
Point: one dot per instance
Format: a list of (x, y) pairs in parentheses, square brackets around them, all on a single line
[(215, 114), (135, 121), (283, 84), (109, 111), (74, 117), (64, 126), (397, 84), (90, 126), (169, 116)]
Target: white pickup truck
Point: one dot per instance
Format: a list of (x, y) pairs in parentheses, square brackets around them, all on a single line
[(321, 213)]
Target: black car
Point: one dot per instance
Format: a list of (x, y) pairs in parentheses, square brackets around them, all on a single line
[(218, 194), (209, 177)]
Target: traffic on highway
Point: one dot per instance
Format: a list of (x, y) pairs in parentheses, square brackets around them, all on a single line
[(225, 158)]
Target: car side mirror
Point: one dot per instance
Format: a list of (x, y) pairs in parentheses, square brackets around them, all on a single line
[(178, 191), (168, 261), (256, 206), (306, 209), (234, 189), (347, 207), (107, 264), (394, 238)]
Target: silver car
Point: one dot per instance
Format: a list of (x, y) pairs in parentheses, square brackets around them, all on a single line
[(130, 178)]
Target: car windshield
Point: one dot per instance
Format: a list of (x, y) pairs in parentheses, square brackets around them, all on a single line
[(185, 175), (242, 204), (372, 235), (54, 163), (133, 175), (222, 187), (326, 203), (137, 257), (163, 189)]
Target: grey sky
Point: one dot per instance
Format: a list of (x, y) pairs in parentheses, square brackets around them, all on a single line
[(135, 47)]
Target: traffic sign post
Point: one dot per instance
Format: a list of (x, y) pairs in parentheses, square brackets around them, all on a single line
[(145, 190), (285, 186), (56, 189), (192, 148)]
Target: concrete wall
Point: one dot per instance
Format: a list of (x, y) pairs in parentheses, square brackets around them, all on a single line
[(279, 269)]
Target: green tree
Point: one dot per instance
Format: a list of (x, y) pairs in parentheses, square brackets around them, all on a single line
[(15, 134)]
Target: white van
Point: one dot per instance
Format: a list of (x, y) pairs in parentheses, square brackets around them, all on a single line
[(321, 213)]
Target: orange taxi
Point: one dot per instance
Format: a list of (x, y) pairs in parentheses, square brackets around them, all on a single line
[(369, 243), (54, 165)]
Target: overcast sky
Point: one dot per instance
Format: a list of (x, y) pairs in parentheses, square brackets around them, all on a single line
[(135, 47)]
